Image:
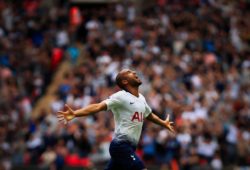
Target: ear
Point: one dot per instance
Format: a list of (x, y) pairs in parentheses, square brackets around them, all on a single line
[(125, 82)]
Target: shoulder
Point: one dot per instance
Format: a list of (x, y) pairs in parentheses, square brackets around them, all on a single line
[(118, 94), (142, 97)]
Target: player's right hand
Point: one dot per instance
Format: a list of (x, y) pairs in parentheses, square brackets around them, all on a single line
[(66, 116), (169, 125)]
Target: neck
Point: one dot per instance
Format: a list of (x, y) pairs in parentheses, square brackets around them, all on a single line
[(133, 90)]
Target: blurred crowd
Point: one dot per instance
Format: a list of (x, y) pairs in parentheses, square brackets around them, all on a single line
[(192, 56)]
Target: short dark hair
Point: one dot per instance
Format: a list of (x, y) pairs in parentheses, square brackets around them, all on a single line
[(119, 79)]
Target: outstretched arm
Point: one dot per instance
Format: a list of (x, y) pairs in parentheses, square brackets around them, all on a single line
[(164, 123), (69, 114)]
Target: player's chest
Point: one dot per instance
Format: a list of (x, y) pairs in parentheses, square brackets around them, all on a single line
[(136, 105)]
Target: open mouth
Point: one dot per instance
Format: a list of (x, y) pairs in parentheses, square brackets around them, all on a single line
[(137, 78)]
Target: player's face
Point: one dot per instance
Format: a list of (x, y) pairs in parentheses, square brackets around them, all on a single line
[(132, 78)]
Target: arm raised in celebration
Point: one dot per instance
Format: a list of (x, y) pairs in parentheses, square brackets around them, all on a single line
[(164, 123), (69, 114)]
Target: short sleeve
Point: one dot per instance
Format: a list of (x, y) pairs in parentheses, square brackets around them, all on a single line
[(113, 101), (148, 110)]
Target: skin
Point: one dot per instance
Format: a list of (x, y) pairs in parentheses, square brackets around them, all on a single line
[(131, 83)]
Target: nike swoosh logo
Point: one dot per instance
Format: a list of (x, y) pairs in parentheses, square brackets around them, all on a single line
[(131, 102)]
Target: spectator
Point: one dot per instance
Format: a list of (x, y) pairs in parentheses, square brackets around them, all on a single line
[(193, 53)]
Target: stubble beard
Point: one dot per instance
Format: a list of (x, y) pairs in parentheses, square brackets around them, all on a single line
[(135, 83)]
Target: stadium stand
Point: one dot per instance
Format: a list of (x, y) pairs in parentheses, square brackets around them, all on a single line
[(195, 53)]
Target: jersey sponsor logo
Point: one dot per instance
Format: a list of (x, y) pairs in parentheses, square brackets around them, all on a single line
[(137, 116)]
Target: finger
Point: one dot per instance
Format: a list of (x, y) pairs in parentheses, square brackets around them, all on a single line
[(172, 129), (60, 119), (170, 123), (167, 117), (59, 116), (69, 108), (61, 113)]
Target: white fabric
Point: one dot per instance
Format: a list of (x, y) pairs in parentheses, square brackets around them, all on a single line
[(232, 134), (62, 38), (207, 148), (184, 139), (129, 112)]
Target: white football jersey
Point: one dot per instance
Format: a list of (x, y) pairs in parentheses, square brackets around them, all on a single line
[(129, 112)]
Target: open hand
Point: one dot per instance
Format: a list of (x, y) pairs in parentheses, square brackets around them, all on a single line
[(169, 125), (66, 116)]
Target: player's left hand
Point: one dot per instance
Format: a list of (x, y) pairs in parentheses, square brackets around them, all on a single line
[(66, 116), (169, 125)]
